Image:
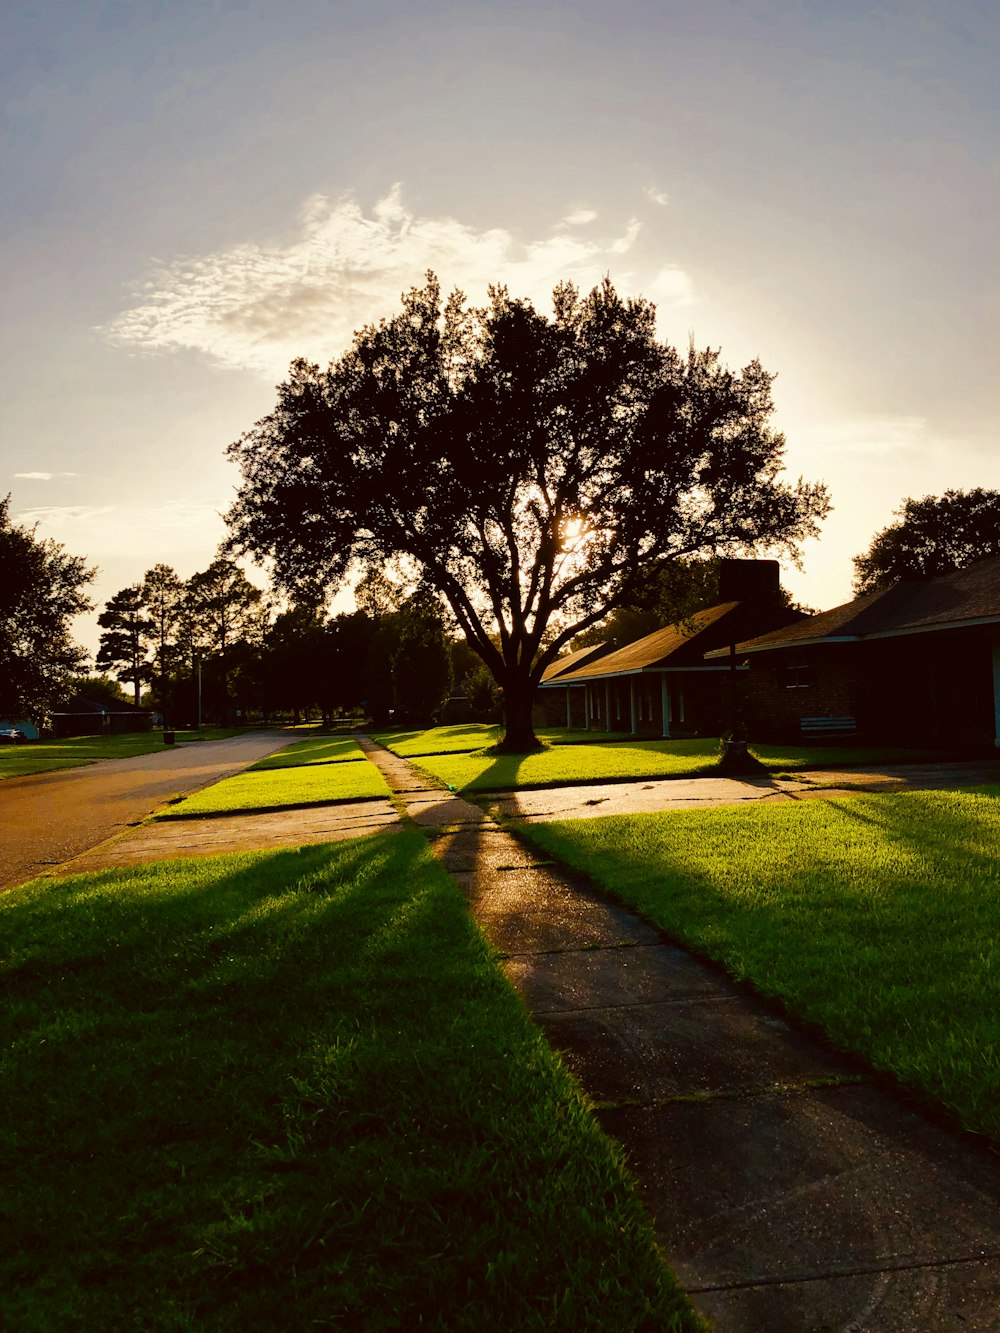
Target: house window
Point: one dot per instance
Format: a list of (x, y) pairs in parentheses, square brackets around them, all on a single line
[(799, 677)]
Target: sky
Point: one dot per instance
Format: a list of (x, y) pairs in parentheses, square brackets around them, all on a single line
[(197, 191)]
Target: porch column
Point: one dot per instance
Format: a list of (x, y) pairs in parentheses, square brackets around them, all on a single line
[(586, 707), (665, 704), (569, 707), (607, 705), (632, 704), (996, 690)]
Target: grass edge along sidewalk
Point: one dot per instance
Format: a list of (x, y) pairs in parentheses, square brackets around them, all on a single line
[(292, 1090), (273, 787), (461, 758), (874, 917)]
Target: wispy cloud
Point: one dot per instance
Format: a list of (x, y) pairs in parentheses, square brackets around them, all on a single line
[(43, 476), (256, 307), (580, 217), (658, 196), (871, 436)]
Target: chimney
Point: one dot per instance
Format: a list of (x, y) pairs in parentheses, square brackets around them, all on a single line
[(749, 580)]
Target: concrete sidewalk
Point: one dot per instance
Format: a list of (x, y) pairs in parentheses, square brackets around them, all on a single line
[(790, 1191), (651, 794)]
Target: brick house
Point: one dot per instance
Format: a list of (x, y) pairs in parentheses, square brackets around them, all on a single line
[(661, 685), (915, 662)]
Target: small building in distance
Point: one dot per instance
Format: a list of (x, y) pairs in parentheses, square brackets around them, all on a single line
[(661, 685), (81, 716), (915, 663)]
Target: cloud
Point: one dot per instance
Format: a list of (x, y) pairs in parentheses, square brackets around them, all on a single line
[(624, 243), (256, 306), (871, 436), (671, 286), (119, 527), (43, 476), (580, 217), (658, 196)]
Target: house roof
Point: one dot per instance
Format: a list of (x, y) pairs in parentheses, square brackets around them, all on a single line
[(965, 597), (664, 647), (573, 660), (80, 704)]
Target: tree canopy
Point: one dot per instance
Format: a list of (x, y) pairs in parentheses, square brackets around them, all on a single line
[(41, 590), (529, 467), (932, 536)]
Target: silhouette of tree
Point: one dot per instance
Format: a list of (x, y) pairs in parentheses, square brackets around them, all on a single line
[(421, 660), (934, 536), (41, 589), (529, 467), (163, 594), (123, 646)]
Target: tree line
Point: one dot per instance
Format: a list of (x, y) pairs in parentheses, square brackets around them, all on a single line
[(214, 646), (538, 477)]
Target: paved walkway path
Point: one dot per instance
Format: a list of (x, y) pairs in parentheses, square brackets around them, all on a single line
[(788, 1189)]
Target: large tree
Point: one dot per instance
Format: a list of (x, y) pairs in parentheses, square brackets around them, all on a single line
[(931, 537), (41, 589), (529, 467)]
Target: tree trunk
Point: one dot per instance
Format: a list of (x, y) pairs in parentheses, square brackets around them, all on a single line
[(519, 733)]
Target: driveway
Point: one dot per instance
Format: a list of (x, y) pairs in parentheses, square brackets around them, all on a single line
[(51, 817)]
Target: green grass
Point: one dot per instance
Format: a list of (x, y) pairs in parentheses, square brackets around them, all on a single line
[(17, 761), (876, 917), (318, 750), (292, 1090), (475, 736), (277, 789), (622, 760)]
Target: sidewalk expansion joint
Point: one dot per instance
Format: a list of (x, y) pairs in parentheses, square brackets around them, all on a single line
[(576, 948), (802, 1089), (672, 1000), (860, 1270)]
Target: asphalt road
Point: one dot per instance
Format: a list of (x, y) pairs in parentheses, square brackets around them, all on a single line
[(51, 817)]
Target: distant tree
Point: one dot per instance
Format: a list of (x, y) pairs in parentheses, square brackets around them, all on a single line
[(41, 589), (123, 646), (222, 609), (295, 658), (421, 659), (163, 595), (530, 468), (934, 536)]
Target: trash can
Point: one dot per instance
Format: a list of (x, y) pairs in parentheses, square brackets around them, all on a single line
[(168, 738)]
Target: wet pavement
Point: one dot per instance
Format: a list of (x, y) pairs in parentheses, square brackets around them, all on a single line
[(790, 1190)]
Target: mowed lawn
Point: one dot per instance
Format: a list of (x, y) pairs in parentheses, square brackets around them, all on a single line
[(276, 788), (316, 750), (18, 761), (622, 760), (474, 736), (292, 1090), (876, 917)]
